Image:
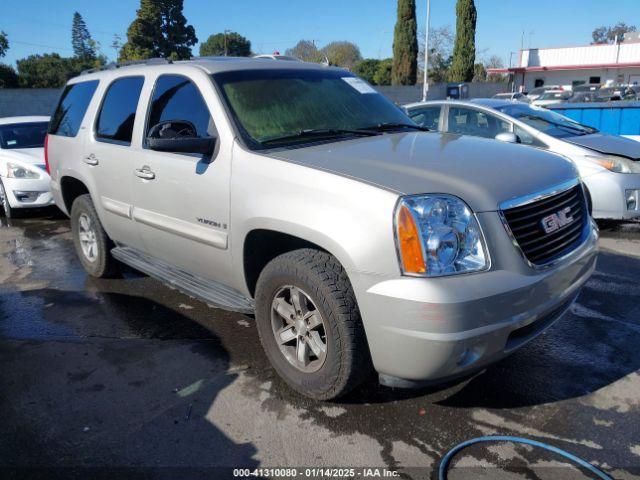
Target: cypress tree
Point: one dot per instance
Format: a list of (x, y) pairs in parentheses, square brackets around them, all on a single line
[(405, 45), (83, 45), (464, 50), (159, 30)]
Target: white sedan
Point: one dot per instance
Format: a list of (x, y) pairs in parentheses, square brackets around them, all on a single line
[(24, 181)]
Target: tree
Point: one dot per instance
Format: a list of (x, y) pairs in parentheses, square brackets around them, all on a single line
[(8, 76), (116, 44), (609, 34), (367, 69), (83, 44), (4, 44), (479, 73), (47, 71), (440, 51), (229, 43), (464, 50), (306, 51), (405, 45), (495, 62), (383, 75), (159, 30), (342, 54)]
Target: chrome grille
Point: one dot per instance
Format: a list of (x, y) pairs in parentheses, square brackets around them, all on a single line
[(551, 227)]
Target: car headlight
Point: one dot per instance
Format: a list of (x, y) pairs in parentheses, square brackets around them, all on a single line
[(438, 235), (18, 171), (615, 163)]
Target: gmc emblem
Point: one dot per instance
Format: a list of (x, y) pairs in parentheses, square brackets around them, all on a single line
[(557, 220)]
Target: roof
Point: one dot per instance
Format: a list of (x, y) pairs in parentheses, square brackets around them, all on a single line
[(24, 119), (485, 102), (210, 65)]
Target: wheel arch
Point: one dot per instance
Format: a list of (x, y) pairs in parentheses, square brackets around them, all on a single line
[(70, 189)]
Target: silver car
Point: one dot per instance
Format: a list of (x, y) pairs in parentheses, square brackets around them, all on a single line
[(608, 164), (298, 193)]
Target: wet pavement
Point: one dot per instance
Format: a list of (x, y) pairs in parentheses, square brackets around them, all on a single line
[(126, 376)]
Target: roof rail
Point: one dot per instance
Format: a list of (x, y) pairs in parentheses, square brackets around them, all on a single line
[(114, 65)]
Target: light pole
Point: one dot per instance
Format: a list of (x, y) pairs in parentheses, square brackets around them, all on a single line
[(425, 84)]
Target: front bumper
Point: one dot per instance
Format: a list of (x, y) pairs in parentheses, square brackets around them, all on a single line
[(608, 194), (431, 330), (28, 192)]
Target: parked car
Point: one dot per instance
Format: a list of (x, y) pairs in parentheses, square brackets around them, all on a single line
[(299, 193), (608, 164), (586, 87), (24, 183), (583, 97), (552, 97), (612, 94), (536, 92), (514, 96)]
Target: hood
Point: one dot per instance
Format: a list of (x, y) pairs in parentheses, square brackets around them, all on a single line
[(609, 144), (482, 172), (33, 156)]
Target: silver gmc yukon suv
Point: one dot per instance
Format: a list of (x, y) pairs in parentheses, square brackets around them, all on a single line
[(297, 192)]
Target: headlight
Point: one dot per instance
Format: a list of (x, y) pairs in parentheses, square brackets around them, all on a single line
[(17, 171), (438, 235), (615, 163)]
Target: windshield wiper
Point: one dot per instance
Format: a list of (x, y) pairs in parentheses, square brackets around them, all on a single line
[(381, 127), (320, 132)]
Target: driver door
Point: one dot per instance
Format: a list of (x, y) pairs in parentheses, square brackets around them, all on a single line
[(181, 200)]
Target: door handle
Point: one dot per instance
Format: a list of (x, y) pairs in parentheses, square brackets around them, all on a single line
[(145, 173), (91, 160)]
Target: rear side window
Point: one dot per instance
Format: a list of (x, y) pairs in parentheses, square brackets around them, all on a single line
[(118, 111), (71, 108), (177, 98)]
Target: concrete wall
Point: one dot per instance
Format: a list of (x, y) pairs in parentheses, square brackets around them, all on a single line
[(42, 101), (28, 101), (408, 94)]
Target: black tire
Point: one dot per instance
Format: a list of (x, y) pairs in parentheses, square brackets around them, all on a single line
[(9, 211), (104, 265), (347, 362)]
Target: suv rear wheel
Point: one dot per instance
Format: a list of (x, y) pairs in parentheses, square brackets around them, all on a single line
[(310, 326), (93, 246)]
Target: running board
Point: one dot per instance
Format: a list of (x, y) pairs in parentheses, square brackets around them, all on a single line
[(212, 293)]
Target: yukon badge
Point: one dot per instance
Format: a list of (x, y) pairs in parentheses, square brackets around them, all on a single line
[(557, 220)]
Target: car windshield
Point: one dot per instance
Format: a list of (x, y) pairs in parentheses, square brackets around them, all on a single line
[(23, 135), (550, 96), (546, 121), (282, 107)]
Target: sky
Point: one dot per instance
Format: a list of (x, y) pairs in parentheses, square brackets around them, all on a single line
[(44, 26)]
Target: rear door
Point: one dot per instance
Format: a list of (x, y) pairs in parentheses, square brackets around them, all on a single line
[(478, 123), (181, 200), (110, 154)]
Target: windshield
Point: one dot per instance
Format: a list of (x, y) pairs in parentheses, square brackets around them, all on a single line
[(23, 135), (550, 96), (281, 107), (546, 121)]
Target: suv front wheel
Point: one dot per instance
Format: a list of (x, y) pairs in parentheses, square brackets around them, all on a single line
[(310, 326), (93, 246)]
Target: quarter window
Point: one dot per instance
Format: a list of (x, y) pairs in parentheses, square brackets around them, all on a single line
[(467, 121), (71, 108), (426, 117), (118, 112), (177, 98)]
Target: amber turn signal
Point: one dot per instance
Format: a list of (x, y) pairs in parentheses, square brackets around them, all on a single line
[(409, 242)]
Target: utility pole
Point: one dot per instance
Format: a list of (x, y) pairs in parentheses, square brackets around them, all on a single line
[(425, 84), (225, 41)]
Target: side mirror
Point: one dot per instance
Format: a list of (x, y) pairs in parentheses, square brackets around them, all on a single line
[(179, 136), (508, 137)]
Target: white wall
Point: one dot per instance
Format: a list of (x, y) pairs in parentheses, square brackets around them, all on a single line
[(585, 55), (566, 77)]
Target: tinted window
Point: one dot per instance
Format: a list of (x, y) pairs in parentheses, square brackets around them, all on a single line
[(118, 112), (426, 117), (177, 98), (23, 135), (467, 121), (73, 105)]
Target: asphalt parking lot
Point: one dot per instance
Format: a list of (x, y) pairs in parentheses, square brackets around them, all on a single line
[(127, 376)]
